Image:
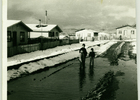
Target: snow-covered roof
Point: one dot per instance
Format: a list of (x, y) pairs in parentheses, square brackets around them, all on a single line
[(14, 22), (44, 27), (126, 26), (103, 33), (63, 36), (86, 30)]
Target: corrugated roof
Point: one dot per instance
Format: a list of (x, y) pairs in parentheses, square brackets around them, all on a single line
[(45, 27), (12, 22)]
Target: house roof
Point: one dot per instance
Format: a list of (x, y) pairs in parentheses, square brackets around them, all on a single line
[(63, 36), (80, 29), (14, 22), (124, 26), (43, 27), (86, 30), (103, 33)]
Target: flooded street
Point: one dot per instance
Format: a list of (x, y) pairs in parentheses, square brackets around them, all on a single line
[(69, 82), (66, 84)]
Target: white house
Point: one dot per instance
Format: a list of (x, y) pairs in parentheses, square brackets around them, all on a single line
[(45, 30), (126, 32), (103, 36), (86, 34)]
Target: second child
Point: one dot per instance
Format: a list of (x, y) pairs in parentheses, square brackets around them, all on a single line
[(92, 56)]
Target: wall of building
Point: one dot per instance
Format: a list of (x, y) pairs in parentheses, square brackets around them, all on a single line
[(18, 28), (126, 33), (85, 35), (56, 33), (38, 34)]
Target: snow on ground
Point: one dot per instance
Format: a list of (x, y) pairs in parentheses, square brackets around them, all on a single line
[(41, 64), (26, 57)]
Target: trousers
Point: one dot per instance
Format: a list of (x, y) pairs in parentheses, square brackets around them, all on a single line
[(91, 61)]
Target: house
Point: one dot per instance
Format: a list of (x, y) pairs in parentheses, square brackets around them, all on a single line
[(72, 37), (44, 30), (17, 33), (112, 36), (86, 34), (103, 36), (126, 32)]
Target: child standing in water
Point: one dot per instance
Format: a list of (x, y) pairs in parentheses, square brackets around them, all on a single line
[(92, 56)]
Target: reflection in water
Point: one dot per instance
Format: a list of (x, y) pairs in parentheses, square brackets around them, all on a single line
[(114, 62), (82, 77), (91, 72)]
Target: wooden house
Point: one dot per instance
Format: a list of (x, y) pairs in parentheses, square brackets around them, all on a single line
[(17, 33)]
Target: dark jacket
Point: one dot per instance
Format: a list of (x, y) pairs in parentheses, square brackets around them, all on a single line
[(84, 51), (92, 54)]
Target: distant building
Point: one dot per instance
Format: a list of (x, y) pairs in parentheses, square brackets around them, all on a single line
[(45, 30), (72, 37), (17, 33), (103, 36), (86, 34), (63, 37), (126, 32), (112, 36)]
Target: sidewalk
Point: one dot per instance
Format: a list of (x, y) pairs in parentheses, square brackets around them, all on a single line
[(21, 58)]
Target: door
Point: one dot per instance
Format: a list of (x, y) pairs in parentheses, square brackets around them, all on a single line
[(14, 38)]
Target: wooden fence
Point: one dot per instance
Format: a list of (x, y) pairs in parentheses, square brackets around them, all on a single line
[(50, 44), (38, 46), (23, 49)]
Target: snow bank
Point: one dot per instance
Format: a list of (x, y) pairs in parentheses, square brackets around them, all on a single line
[(103, 48), (21, 58), (41, 64)]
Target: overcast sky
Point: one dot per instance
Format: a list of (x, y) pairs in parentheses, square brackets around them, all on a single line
[(94, 14)]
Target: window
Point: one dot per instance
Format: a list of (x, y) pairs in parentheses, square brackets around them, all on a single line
[(9, 36), (51, 34), (132, 32), (124, 32), (56, 33), (120, 32), (95, 34), (22, 36)]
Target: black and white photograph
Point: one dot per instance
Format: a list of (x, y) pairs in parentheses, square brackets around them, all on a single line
[(71, 50)]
